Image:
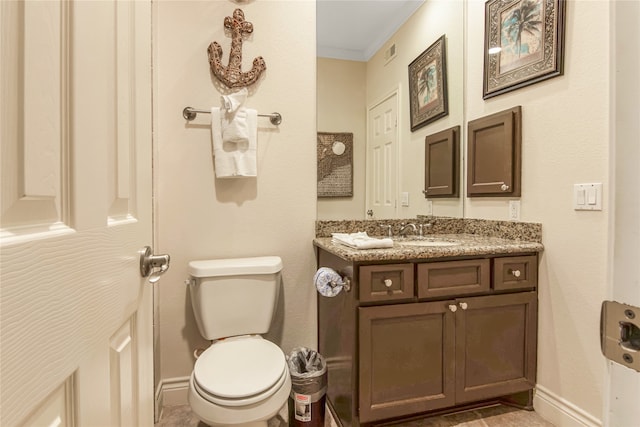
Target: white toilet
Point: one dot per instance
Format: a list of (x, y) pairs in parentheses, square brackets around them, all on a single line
[(241, 379)]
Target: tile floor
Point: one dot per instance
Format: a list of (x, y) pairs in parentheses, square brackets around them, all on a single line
[(490, 416)]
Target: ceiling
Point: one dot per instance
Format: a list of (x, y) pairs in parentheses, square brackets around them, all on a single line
[(357, 29)]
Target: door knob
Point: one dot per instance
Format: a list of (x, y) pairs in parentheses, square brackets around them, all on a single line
[(153, 266), (453, 308)]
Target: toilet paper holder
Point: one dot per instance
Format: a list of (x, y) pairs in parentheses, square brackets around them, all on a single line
[(346, 283), (330, 283)]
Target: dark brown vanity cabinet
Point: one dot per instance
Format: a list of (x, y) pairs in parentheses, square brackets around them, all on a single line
[(420, 357), (456, 336)]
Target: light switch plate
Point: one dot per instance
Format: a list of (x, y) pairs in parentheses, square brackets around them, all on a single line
[(404, 199), (514, 210), (587, 197)]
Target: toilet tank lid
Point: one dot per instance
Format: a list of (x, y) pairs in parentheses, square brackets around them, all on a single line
[(235, 266)]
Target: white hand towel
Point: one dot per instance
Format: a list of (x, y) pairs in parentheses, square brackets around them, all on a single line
[(234, 118), (233, 101), (235, 159), (361, 240), (235, 126)]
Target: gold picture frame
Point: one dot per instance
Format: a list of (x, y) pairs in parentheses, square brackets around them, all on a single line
[(524, 43), (428, 85)]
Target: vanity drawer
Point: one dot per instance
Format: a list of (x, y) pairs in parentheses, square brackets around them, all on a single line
[(453, 278), (389, 282), (519, 272)]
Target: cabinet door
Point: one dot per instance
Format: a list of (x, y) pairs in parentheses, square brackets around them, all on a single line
[(493, 147), (406, 359), (495, 345), (441, 162)]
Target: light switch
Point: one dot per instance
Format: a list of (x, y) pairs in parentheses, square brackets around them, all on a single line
[(404, 199), (592, 195), (587, 197), (429, 210)]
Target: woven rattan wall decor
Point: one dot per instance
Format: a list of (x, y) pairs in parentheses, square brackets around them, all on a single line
[(232, 75), (335, 164)]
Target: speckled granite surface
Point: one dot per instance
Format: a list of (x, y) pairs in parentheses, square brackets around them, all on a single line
[(470, 237), (526, 231), (464, 245)]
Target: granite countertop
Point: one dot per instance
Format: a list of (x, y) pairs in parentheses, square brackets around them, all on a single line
[(466, 245)]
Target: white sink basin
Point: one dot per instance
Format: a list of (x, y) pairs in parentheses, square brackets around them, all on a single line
[(430, 243)]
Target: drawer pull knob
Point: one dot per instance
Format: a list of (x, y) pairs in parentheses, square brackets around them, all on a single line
[(504, 187), (388, 283), (453, 307), (516, 273), (463, 305)]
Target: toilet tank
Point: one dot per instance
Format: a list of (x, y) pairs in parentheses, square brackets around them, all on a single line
[(236, 296)]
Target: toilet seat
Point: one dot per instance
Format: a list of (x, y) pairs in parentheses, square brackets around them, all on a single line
[(240, 371)]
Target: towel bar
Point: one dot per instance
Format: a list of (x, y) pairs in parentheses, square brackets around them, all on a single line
[(190, 113)]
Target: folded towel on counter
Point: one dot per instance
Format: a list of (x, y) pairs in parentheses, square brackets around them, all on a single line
[(238, 158), (361, 240)]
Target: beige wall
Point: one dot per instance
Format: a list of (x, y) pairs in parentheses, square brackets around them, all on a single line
[(198, 216), (341, 96), (565, 142)]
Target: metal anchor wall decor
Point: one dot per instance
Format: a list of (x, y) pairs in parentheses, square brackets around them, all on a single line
[(232, 75)]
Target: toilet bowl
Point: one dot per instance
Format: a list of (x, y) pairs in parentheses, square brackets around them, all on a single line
[(242, 379)]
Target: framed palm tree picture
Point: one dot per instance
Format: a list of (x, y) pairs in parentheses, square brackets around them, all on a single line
[(524, 43), (428, 85)]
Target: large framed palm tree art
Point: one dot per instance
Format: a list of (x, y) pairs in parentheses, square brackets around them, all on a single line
[(524, 43)]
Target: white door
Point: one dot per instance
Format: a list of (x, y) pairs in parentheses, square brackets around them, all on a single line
[(382, 159), (75, 123), (624, 383)]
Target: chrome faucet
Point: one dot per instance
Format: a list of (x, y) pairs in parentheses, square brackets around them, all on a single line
[(388, 228), (422, 228), (404, 226)]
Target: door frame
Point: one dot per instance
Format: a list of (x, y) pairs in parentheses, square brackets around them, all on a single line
[(622, 385)]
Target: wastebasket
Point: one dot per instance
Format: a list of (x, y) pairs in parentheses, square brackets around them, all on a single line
[(307, 400)]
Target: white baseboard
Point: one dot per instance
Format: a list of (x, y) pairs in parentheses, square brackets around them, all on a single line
[(171, 392), (560, 412), (157, 410)]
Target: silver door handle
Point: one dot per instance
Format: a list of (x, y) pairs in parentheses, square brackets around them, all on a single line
[(153, 266)]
